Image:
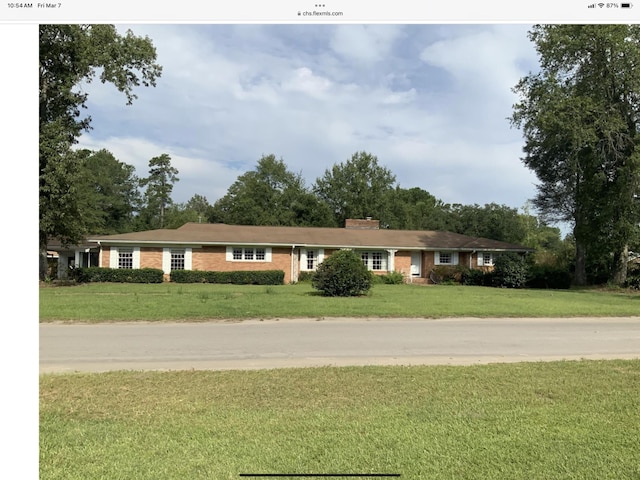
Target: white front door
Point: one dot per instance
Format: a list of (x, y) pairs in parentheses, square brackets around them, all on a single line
[(416, 264)]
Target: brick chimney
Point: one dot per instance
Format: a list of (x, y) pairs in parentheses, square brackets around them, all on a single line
[(362, 224)]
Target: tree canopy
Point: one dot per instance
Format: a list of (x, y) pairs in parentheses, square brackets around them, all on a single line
[(159, 183), (580, 116), (270, 195), (70, 55), (108, 192), (357, 188)]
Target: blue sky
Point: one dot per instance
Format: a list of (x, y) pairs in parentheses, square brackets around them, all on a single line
[(430, 101)]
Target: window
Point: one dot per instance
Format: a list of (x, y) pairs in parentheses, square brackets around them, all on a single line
[(446, 258), (177, 259), (485, 258), (311, 259), (125, 258), (248, 254), (374, 260)]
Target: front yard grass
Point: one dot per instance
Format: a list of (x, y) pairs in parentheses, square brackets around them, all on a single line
[(548, 421), (197, 302)]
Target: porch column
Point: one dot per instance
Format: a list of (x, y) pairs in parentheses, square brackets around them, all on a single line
[(391, 260)]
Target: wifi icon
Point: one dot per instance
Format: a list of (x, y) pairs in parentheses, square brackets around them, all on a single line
[(601, 5)]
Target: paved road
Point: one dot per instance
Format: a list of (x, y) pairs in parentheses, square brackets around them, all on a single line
[(256, 344)]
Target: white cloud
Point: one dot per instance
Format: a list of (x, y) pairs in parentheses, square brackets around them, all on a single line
[(305, 81), (364, 43), (196, 174), (487, 59), (430, 101)]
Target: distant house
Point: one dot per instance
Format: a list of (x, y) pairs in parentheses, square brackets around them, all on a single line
[(221, 247)]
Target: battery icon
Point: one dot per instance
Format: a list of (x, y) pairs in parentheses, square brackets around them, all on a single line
[(626, 5)]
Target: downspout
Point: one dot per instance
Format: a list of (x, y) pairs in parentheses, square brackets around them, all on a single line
[(99, 254), (292, 279)]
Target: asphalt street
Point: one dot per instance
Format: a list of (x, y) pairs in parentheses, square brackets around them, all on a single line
[(276, 343)]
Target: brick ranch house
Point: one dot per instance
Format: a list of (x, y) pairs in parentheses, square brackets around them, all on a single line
[(220, 247)]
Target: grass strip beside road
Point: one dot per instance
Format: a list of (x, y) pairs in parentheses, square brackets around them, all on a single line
[(547, 421), (196, 302)]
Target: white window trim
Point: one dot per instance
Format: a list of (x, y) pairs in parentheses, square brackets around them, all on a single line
[(303, 258), (369, 264), (454, 258), (166, 259), (267, 254), (114, 256), (481, 262)]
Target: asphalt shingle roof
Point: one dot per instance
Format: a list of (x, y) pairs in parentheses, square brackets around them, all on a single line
[(222, 234)]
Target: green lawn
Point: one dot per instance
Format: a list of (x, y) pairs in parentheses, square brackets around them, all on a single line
[(130, 302), (558, 420)]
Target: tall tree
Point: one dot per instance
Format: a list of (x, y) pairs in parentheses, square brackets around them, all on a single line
[(580, 115), (108, 192), (70, 55), (159, 185), (416, 209), (196, 210), (498, 222), (357, 188), (271, 195)]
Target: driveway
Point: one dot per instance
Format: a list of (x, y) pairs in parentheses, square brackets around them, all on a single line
[(255, 344)]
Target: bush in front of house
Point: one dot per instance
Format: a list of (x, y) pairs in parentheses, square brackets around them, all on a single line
[(343, 274), (448, 274), (390, 278), (306, 276), (257, 277), (510, 271), (477, 277), (546, 276), (116, 275)]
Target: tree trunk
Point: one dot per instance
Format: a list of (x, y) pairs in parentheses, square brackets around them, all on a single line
[(43, 263), (580, 276), (620, 260)]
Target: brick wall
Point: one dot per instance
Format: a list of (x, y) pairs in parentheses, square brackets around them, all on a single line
[(215, 259), (428, 262), (104, 257), (403, 262), (151, 258)]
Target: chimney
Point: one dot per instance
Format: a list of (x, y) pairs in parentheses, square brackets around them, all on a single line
[(362, 224)]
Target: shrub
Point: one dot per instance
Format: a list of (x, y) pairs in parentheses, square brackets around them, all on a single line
[(257, 277), (305, 276), (446, 274), (116, 275), (546, 276), (393, 278), (343, 274), (510, 271), (482, 278)]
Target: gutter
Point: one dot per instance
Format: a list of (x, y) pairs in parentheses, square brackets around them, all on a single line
[(291, 277)]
